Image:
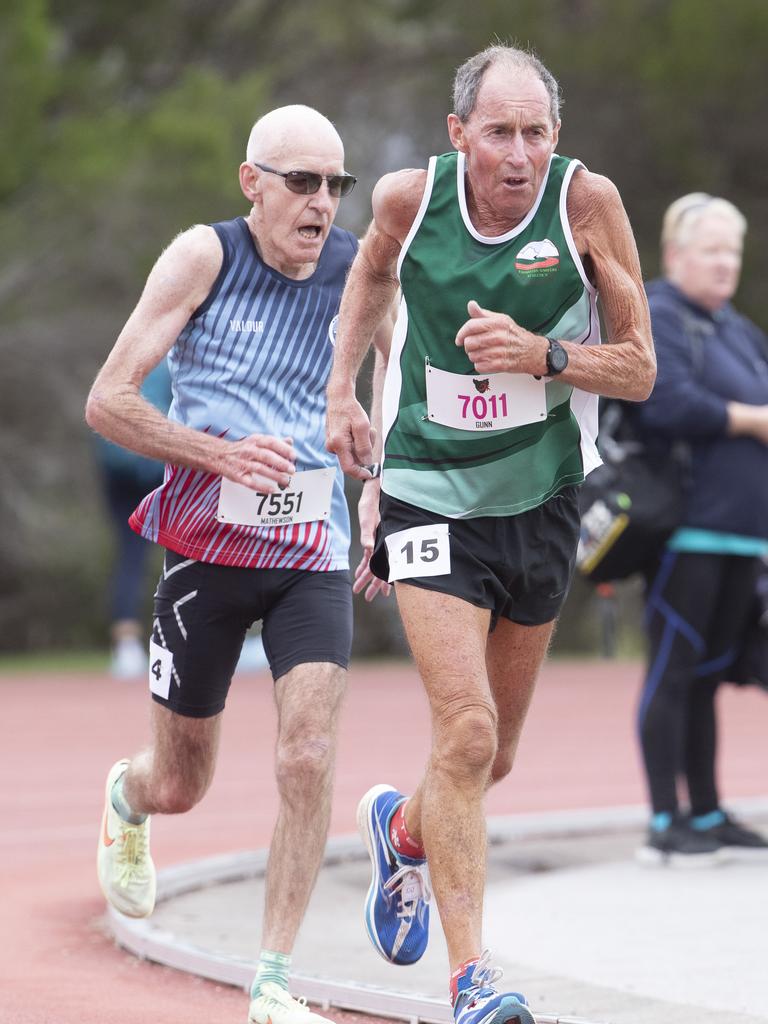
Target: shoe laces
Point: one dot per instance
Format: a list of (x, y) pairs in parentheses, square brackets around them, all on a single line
[(482, 986), (484, 976), (411, 884), (133, 853), (277, 996)]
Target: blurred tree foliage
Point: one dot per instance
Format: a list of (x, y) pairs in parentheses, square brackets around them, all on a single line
[(125, 124)]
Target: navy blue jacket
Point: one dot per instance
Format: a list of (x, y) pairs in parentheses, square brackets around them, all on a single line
[(705, 361)]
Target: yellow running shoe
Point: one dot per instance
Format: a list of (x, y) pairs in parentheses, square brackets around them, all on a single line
[(276, 1006), (126, 872)]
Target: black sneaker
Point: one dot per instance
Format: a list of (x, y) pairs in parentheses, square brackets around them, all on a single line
[(736, 840), (680, 845)]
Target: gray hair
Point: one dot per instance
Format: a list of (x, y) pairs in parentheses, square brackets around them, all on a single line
[(685, 213), (469, 77)]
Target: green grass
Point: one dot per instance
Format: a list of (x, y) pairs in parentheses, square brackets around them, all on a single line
[(54, 661), (98, 661)]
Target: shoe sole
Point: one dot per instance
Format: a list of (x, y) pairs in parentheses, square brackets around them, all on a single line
[(505, 1015), (367, 827), (117, 769), (648, 856), (313, 1017), (745, 854), (521, 1016)]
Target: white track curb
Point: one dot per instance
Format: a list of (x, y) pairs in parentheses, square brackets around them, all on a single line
[(147, 942)]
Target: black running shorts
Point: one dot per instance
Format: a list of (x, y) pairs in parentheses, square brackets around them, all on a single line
[(520, 567), (202, 612)]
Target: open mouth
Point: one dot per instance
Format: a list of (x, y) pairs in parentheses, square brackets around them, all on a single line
[(310, 231), (515, 182)]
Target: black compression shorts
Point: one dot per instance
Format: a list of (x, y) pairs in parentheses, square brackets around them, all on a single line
[(202, 612)]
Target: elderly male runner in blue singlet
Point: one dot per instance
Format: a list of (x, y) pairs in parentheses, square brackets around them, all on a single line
[(490, 415), (251, 513)]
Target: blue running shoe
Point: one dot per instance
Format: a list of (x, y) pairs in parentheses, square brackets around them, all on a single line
[(476, 1001), (397, 904)]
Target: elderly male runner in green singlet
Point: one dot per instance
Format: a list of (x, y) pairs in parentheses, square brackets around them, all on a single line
[(489, 423)]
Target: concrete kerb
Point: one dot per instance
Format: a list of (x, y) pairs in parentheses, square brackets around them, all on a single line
[(147, 942)]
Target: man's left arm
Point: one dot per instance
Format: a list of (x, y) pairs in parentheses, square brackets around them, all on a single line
[(624, 366)]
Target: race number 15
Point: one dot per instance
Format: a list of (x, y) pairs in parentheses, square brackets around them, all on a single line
[(420, 551)]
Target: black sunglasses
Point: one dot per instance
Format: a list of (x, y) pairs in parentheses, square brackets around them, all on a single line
[(306, 183)]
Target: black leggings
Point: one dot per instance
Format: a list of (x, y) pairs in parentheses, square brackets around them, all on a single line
[(697, 609), (131, 550)]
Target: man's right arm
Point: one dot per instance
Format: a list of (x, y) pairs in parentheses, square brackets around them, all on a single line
[(367, 298), (368, 505), (178, 283)]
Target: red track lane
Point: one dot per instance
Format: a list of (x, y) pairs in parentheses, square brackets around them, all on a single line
[(63, 733)]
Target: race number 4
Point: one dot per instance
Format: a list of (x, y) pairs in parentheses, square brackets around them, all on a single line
[(419, 551), (160, 669)]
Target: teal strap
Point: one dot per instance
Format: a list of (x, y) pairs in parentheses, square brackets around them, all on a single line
[(273, 967), (702, 822), (712, 542)]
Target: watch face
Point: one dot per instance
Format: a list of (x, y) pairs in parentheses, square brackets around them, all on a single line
[(557, 358)]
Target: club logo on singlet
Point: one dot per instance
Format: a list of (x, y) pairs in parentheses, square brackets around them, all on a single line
[(537, 258), (332, 327)]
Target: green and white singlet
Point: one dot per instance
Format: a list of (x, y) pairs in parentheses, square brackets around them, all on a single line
[(499, 444)]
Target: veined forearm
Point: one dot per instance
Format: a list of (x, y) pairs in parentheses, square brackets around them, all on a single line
[(619, 370), (129, 420)]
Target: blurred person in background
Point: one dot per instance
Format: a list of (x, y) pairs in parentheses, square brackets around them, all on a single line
[(711, 395), (490, 405), (252, 516), (127, 478)]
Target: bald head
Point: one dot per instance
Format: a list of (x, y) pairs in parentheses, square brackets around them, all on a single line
[(292, 129)]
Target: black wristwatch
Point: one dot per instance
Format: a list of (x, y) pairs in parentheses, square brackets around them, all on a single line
[(557, 358)]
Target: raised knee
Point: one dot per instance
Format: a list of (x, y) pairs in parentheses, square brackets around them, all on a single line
[(177, 796)]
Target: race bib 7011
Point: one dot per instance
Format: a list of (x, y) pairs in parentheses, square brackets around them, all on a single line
[(496, 401)]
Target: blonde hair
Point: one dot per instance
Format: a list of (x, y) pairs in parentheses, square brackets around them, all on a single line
[(685, 213)]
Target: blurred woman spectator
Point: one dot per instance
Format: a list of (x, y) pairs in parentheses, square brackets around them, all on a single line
[(127, 478), (711, 396)]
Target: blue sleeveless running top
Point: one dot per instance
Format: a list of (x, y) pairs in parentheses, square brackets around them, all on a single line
[(254, 358)]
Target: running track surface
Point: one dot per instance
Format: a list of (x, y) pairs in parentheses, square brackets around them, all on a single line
[(62, 734)]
